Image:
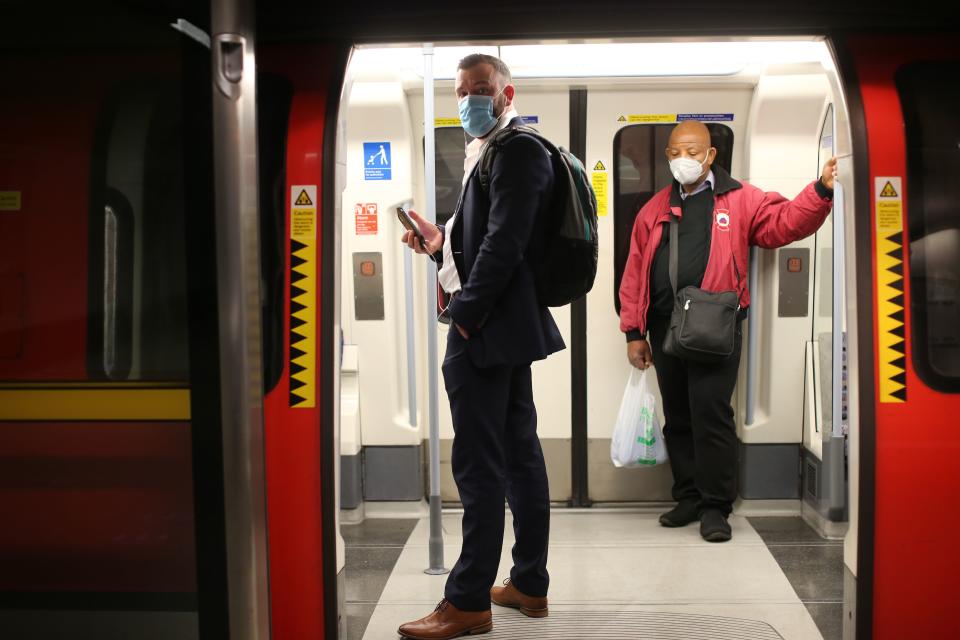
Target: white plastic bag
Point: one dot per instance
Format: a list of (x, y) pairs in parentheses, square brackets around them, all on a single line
[(637, 439)]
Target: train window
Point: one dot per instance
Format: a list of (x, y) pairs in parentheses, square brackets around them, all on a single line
[(137, 254), (450, 153), (640, 169), (932, 120)]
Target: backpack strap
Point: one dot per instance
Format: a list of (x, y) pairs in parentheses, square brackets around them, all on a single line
[(496, 142)]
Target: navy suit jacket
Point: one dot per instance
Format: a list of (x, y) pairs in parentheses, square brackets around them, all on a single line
[(496, 239)]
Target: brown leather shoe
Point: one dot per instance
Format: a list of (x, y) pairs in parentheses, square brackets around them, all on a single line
[(448, 622), (509, 596)]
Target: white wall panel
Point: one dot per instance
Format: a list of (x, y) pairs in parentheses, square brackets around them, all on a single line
[(783, 139)]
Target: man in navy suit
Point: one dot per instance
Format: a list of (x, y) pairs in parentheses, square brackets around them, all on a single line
[(486, 254)]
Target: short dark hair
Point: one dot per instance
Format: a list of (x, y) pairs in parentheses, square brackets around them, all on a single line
[(498, 65)]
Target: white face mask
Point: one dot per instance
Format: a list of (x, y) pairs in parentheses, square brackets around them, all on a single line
[(686, 170)]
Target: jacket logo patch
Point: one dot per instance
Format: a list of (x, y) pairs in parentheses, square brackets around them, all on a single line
[(723, 218)]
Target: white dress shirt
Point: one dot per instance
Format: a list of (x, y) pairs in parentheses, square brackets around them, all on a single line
[(448, 276), (706, 184)]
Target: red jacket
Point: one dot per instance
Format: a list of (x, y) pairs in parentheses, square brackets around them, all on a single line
[(743, 216)]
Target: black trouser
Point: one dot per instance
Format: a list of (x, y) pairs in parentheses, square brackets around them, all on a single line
[(699, 431), (496, 453)]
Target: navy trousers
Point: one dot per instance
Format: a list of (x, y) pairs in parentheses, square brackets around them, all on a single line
[(496, 455), (699, 430)]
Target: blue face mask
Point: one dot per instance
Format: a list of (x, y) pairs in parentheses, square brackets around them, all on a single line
[(476, 115)]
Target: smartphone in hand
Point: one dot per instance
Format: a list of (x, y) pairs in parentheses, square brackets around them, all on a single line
[(410, 225)]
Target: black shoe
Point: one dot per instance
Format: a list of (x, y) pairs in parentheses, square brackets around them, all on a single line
[(681, 515), (714, 526)]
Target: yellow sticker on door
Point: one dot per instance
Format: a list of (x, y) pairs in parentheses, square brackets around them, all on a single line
[(599, 180)]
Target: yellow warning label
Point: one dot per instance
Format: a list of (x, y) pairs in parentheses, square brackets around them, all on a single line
[(621, 119), (889, 216), (446, 122), (303, 200), (652, 117), (599, 166), (888, 191), (599, 179), (890, 290), (9, 201), (303, 298)]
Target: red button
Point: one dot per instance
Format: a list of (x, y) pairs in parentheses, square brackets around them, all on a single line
[(794, 265), (368, 268)]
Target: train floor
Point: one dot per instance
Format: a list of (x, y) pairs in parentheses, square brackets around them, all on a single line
[(617, 574)]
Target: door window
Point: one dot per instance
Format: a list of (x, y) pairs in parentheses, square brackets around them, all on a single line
[(640, 169), (932, 126)]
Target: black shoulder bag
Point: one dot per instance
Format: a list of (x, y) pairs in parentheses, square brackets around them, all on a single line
[(703, 325)]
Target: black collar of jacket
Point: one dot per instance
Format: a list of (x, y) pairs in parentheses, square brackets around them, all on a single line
[(722, 183)]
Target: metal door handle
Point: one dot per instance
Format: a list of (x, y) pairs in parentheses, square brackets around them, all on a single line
[(228, 53)]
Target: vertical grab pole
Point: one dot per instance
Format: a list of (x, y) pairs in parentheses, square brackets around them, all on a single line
[(838, 343), (834, 446), (411, 343), (430, 175), (753, 338)]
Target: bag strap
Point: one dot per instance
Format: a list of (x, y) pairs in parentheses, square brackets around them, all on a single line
[(498, 140), (674, 251)]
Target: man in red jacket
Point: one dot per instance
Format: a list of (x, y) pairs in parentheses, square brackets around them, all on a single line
[(719, 218)]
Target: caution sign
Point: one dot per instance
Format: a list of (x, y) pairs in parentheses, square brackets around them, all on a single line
[(303, 296), (651, 118), (622, 119), (9, 201), (303, 200), (446, 122), (599, 178), (888, 211), (366, 218)]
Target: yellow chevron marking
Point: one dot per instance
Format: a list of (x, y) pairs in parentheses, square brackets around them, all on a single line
[(888, 213), (303, 293)]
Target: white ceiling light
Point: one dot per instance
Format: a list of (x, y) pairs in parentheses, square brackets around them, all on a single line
[(647, 59)]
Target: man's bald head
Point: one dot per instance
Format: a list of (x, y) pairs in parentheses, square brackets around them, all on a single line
[(691, 139), (692, 131)]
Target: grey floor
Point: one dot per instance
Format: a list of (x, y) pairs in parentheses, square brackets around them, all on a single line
[(373, 548), (812, 565)]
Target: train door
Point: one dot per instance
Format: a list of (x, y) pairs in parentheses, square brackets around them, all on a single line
[(98, 433), (148, 419), (765, 122), (627, 133), (908, 367), (297, 109)]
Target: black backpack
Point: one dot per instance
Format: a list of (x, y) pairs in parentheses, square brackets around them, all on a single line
[(569, 264)]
